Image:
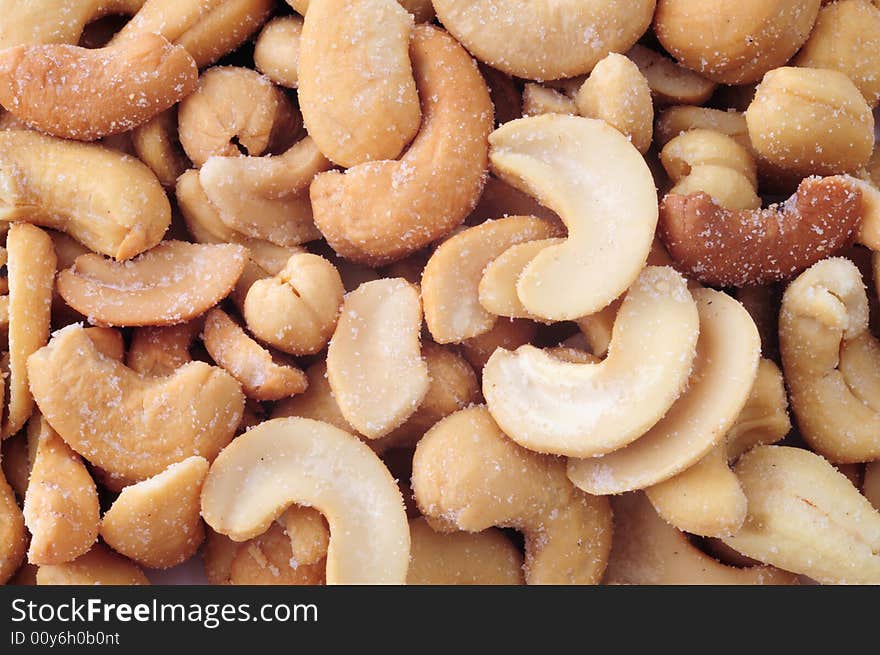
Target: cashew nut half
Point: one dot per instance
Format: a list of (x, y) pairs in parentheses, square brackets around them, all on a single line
[(583, 410), (297, 460), (599, 184)]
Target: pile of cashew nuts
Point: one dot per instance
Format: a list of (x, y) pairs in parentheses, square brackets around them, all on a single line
[(450, 292)]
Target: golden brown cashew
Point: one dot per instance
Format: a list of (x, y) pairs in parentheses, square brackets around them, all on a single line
[(723, 247), (467, 475), (307, 532), (450, 282), (583, 410), (157, 145), (13, 535), (158, 351), (156, 522), (598, 183), (276, 52), (553, 39), (297, 460), (806, 517), (172, 283), (55, 21), (108, 201), (725, 366), (83, 94), (31, 273), (828, 357), (129, 425), (268, 559), (374, 361), (670, 82), (433, 187), (98, 566), (647, 550), (356, 87), (455, 558), (261, 376)]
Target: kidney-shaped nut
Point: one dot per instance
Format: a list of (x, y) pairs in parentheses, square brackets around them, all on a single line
[(379, 212), (172, 283), (61, 504), (600, 186), (647, 550), (725, 247), (467, 475), (806, 517), (156, 522), (553, 39), (356, 88), (13, 535), (276, 51), (809, 121), (374, 360), (584, 410), (825, 313), (98, 566), (450, 282), (734, 41), (724, 370), (108, 201), (670, 83), (298, 460), (83, 94), (296, 311), (617, 93), (260, 375), (461, 558), (127, 424)]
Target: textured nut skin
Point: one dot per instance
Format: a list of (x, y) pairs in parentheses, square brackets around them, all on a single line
[(734, 41), (82, 94), (723, 247)]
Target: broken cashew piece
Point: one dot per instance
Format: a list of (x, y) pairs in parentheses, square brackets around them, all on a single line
[(297, 460), (600, 186), (156, 522), (98, 566), (727, 353), (172, 283), (374, 361), (110, 202), (77, 93), (584, 410), (723, 247), (670, 82), (806, 517), (129, 425), (467, 475)]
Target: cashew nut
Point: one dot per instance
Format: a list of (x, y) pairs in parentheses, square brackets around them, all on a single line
[(764, 418), (157, 145), (159, 351), (584, 410), (98, 566), (13, 535), (467, 475), (676, 120), (670, 82), (55, 21), (537, 100), (130, 425), (497, 290), (276, 52), (598, 183), (297, 460), (268, 559)]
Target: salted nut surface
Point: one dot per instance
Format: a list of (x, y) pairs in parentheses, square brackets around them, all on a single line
[(441, 292)]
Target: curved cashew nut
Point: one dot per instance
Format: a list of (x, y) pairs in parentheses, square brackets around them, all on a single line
[(497, 290), (374, 361), (451, 280), (265, 260), (554, 39), (76, 93), (276, 51), (583, 410), (600, 186), (434, 186), (647, 550), (297, 460), (359, 100), (467, 475), (108, 201), (157, 145), (98, 566), (55, 21), (129, 425), (158, 351), (722, 247), (727, 354), (764, 419), (806, 517), (834, 396), (172, 283)]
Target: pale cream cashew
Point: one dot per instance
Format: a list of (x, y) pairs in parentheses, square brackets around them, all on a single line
[(764, 418), (297, 460), (374, 361), (497, 289), (727, 354), (467, 475), (607, 201), (129, 425), (670, 82), (98, 566), (276, 51), (108, 201), (584, 410)]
